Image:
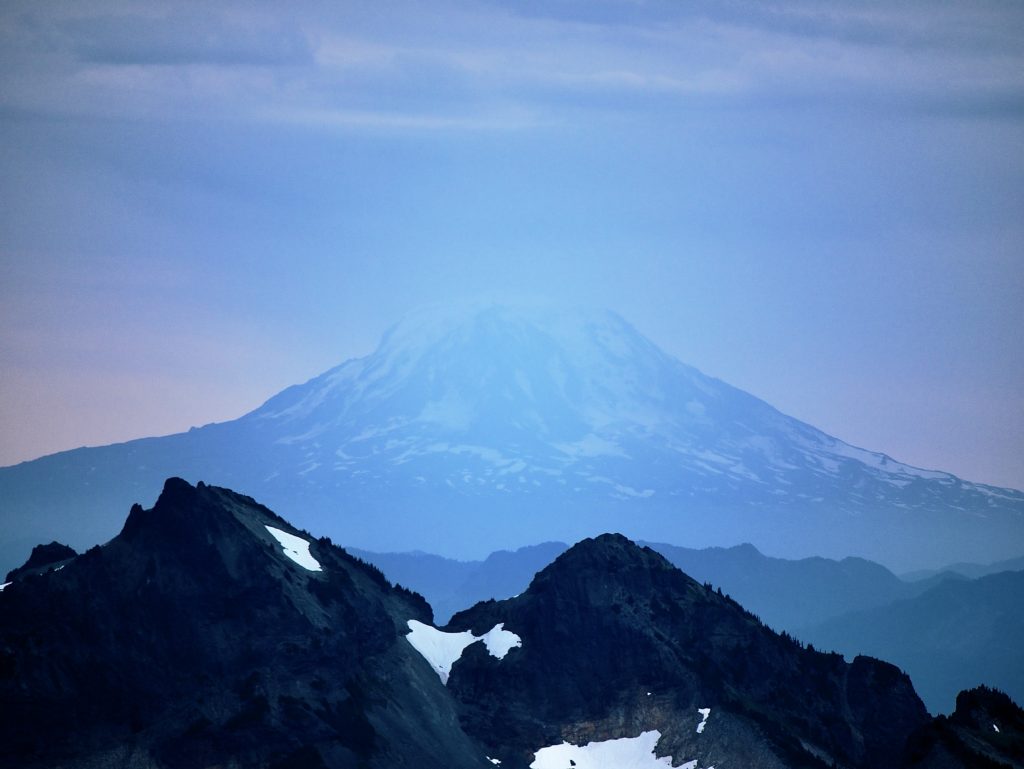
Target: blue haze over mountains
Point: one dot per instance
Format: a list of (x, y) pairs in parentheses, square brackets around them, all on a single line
[(486, 427)]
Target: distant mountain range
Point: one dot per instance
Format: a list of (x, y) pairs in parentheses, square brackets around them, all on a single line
[(450, 586), (472, 430), (785, 594), (212, 632), (968, 570), (948, 638)]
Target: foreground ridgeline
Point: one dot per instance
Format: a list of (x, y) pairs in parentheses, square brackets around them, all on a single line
[(211, 632)]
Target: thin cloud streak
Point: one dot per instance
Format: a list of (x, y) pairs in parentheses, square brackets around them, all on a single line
[(233, 65)]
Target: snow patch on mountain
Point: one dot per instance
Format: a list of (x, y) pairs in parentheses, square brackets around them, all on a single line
[(296, 548), (442, 649), (500, 641), (623, 753), (705, 714), (439, 648)]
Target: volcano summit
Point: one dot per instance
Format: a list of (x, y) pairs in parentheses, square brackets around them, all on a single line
[(492, 427)]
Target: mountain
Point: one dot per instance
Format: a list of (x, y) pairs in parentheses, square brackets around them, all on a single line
[(968, 570), (785, 594), (42, 559), (450, 585), (615, 642), (986, 731), (211, 632), (476, 429), (823, 601), (790, 594), (958, 634)]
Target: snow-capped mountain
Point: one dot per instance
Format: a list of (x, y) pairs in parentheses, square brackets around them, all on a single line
[(480, 428)]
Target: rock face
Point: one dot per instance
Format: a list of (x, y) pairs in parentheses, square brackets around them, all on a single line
[(43, 558), (616, 641), (212, 633), (194, 639), (986, 731), (486, 428)]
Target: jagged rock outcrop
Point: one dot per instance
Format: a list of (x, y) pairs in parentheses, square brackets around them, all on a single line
[(986, 731), (210, 632), (43, 558), (616, 641)]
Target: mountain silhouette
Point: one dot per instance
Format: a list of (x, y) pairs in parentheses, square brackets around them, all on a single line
[(212, 632), (616, 641)]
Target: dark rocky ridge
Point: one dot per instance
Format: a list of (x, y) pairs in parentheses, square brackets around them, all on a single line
[(974, 634), (43, 558), (191, 640), (986, 731), (608, 622)]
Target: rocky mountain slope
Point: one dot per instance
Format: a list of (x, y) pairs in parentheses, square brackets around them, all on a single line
[(949, 639), (484, 428), (211, 632), (617, 641), (985, 731)]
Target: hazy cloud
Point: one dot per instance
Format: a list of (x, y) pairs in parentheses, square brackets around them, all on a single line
[(463, 63), (184, 37)]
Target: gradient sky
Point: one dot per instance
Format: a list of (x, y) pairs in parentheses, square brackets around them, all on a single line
[(821, 203)]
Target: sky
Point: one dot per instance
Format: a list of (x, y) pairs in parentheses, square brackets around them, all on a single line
[(821, 203)]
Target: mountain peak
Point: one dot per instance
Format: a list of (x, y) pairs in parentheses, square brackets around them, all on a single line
[(493, 373), (558, 423), (425, 326), (616, 641), (180, 509), (611, 571), (42, 558), (610, 553), (210, 633)]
